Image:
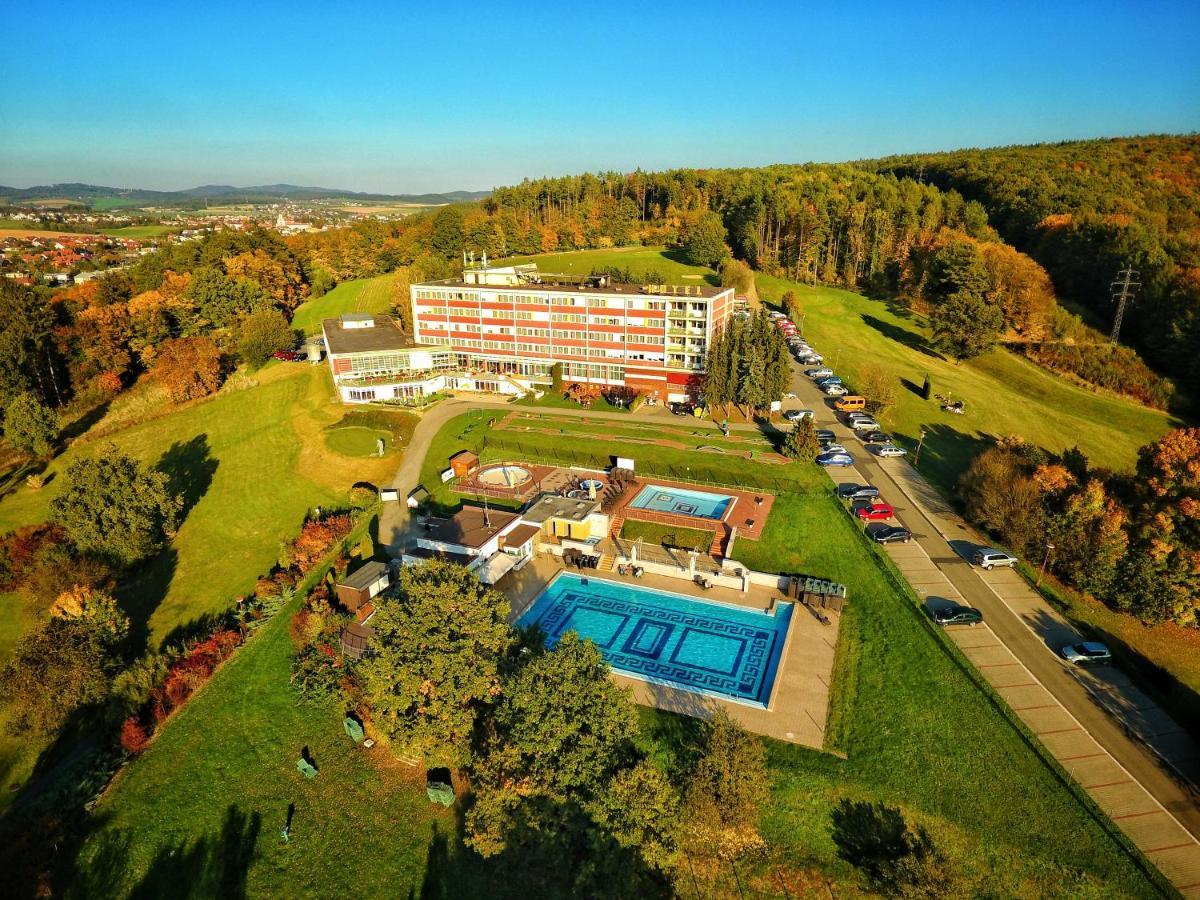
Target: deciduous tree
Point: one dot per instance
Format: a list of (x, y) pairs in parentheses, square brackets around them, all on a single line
[(965, 326), (115, 508), (29, 425), (188, 367), (261, 334)]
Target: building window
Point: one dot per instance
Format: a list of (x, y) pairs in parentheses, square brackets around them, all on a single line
[(362, 394)]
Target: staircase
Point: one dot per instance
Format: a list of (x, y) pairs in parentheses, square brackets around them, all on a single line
[(717, 548)]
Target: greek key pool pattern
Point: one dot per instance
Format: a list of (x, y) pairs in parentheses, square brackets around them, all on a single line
[(701, 646)]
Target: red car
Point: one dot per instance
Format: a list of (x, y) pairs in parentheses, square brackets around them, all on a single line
[(875, 512)]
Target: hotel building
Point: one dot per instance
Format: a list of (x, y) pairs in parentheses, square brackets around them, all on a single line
[(503, 329)]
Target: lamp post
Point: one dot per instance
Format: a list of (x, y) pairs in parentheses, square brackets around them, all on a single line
[(802, 324), (1045, 560), (920, 444)]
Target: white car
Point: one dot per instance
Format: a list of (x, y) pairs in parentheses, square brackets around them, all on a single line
[(864, 425), (835, 390), (791, 395), (990, 557), (888, 450), (777, 315), (796, 415), (833, 448), (819, 372)]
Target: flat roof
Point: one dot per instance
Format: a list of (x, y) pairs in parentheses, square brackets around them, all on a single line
[(520, 535), (552, 506), (364, 576), (549, 285), (385, 334), (468, 527)]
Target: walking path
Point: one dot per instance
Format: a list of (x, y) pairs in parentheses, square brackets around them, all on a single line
[(1140, 769)]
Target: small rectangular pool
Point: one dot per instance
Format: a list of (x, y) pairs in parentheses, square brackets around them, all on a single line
[(682, 502), (696, 645)]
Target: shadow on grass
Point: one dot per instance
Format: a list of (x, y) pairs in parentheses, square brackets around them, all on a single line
[(677, 255), (84, 423), (189, 467), (911, 339)]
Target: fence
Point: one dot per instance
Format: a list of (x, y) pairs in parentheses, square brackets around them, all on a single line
[(495, 448)]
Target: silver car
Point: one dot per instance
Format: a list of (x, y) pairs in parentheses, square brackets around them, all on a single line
[(990, 557)]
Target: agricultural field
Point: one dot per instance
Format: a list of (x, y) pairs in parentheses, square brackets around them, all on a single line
[(18, 232), (137, 231), (915, 729), (368, 295)]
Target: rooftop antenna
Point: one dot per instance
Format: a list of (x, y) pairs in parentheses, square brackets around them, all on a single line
[(487, 513), (485, 260), (1123, 290)]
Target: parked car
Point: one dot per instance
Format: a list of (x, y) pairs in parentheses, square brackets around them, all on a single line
[(776, 314), (865, 425), (892, 534), (835, 459), (876, 512), (831, 447), (834, 390), (826, 380), (682, 409), (990, 557), (1088, 653), (810, 358), (852, 491), (795, 415), (888, 450), (791, 395), (288, 355), (876, 437), (824, 434), (957, 615), (850, 402), (818, 372)]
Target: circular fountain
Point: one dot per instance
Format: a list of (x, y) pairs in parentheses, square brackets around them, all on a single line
[(505, 476)]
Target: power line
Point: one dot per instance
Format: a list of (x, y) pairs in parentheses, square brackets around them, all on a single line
[(1122, 291)]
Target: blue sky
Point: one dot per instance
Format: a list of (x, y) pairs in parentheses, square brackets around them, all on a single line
[(400, 98)]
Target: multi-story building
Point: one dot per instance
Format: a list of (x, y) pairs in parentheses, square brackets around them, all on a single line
[(506, 328)]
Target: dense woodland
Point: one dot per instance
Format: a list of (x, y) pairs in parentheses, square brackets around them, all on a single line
[(1085, 209)]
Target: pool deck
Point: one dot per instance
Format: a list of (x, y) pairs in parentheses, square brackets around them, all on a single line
[(800, 697), (747, 513)]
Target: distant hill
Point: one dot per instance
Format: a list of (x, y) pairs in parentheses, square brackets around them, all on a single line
[(90, 194)]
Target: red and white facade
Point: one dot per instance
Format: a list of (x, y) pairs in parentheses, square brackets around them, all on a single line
[(515, 322)]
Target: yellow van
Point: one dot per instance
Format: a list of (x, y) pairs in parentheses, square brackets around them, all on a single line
[(850, 403)]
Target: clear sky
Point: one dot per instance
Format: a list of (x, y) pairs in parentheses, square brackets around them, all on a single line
[(403, 97)]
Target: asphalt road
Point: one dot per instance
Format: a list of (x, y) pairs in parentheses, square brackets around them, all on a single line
[(1027, 646)]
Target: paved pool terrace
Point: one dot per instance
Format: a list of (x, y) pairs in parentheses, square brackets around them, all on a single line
[(799, 701), (747, 511)]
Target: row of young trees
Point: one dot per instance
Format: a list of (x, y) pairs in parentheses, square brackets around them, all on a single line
[(748, 365), (1132, 541)]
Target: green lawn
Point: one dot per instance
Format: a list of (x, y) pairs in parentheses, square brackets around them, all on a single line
[(668, 535), (357, 440), (234, 460), (552, 400), (667, 263), (916, 729), (137, 231), (370, 295), (1004, 393)]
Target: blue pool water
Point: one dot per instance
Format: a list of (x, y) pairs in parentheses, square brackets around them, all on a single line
[(696, 645), (682, 502)]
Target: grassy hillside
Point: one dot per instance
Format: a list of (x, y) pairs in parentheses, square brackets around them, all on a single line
[(370, 295), (916, 730), (639, 260)]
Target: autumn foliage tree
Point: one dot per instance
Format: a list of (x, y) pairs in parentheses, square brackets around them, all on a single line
[(188, 367)]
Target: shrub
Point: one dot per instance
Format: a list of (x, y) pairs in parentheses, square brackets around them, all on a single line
[(133, 735)]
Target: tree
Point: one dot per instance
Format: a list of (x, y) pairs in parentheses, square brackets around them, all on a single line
[(219, 299), (113, 507), (66, 665), (29, 425), (1089, 538), (705, 241), (878, 386), (560, 733), (895, 858), (188, 367), (261, 334), (737, 275), (999, 494), (965, 326), (26, 343), (726, 792), (447, 235), (791, 307), (801, 442), (438, 646)]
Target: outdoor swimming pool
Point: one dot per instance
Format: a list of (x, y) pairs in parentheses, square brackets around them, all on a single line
[(681, 502), (696, 645)]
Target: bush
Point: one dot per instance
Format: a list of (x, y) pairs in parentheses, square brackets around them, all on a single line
[(261, 334), (133, 735)]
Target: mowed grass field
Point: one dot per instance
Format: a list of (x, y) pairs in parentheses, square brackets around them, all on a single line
[(1004, 393), (667, 263), (916, 729), (251, 464), (365, 295), (137, 231)]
